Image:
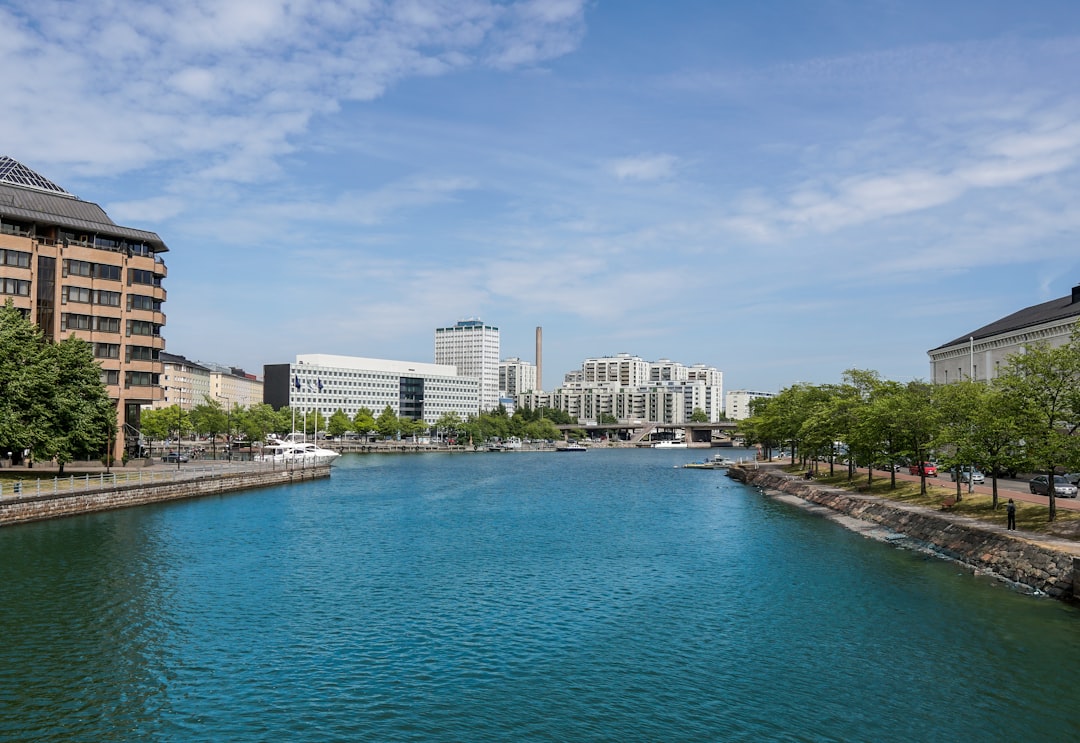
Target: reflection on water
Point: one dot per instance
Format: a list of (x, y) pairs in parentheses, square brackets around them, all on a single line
[(604, 596)]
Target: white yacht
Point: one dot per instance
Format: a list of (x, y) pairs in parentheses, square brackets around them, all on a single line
[(669, 445), (298, 452)]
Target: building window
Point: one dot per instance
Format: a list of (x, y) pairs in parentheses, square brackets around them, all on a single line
[(142, 353), (108, 299), (141, 327), (15, 258), (17, 287), (140, 379), (110, 376), (140, 276), (142, 302), (106, 350)]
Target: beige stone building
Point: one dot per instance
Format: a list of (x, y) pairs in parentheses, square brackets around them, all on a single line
[(980, 353), (73, 271)]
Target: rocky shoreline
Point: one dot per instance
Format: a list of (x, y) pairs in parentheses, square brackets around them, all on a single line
[(1034, 563)]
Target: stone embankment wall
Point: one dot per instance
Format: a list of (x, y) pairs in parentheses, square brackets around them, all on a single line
[(38, 507), (1007, 554)]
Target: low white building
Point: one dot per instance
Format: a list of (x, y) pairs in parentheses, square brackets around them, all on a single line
[(737, 403), (412, 389)]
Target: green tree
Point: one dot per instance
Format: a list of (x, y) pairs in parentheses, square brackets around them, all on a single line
[(25, 382), (209, 418), (448, 425), (260, 420), (1043, 384), (339, 423), (364, 422), (698, 416), (81, 416), (388, 424)]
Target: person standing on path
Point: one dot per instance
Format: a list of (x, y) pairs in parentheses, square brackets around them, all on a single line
[(1010, 511)]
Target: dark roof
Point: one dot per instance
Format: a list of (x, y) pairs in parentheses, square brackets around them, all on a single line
[(1055, 309), (26, 196)]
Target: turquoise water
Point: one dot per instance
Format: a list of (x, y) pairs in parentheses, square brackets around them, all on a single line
[(605, 596)]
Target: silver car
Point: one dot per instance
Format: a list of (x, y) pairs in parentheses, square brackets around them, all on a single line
[(976, 477), (1062, 487)]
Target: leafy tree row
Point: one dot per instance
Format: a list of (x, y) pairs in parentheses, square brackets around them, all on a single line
[(256, 422), (1026, 419), (52, 400)]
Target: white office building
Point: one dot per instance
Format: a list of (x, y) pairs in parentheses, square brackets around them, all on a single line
[(328, 383), (737, 403), (472, 348), (516, 376)]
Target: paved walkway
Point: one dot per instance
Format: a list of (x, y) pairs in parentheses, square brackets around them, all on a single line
[(1015, 489)]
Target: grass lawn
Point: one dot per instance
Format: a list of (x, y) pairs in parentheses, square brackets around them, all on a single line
[(1030, 517)]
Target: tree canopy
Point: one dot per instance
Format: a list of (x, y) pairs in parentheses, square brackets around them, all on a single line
[(53, 402)]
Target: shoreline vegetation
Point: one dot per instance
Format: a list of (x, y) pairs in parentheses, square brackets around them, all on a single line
[(1030, 517)]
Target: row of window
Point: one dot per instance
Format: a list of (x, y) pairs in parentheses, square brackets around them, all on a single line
[(131, 378), (17, 287), (134, 353), (105, 271), (16, 258), (71, 321), (86, 295)]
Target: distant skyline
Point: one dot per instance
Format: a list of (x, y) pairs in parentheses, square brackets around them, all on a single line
[(779, 190)]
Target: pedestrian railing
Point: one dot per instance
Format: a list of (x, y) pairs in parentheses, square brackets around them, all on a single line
[(29, 486)]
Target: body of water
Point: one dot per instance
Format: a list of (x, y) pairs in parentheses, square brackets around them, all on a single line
[(604, 596)]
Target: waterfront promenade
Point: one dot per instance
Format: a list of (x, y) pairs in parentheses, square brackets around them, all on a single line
[(39, 493)]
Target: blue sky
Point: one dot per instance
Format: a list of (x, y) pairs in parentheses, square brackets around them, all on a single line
[(783, 190)]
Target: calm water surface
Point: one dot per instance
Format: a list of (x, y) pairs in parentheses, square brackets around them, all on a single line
[(605, 596)]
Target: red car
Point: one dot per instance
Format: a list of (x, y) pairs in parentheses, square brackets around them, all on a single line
[(928, 469)]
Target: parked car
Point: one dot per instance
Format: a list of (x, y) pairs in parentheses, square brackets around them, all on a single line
[(1040, 486), (1073, 477), (174, 457), (976, 477), (928, 469)]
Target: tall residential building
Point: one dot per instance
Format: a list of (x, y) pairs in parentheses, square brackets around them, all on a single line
[(472, 347), (627, 387), (328, 383), (516, 376), (72, 271), (737, 403)]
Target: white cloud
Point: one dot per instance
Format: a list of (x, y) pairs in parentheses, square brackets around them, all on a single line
[(204, 81), (644, 167)]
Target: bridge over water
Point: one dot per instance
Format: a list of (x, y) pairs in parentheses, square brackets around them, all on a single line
[(693, 433)]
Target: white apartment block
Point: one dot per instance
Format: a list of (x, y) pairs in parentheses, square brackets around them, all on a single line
[(516, 376), (472, 348), (183, 382), (328, 383), (737, 403), (664, 392), (622, 369)]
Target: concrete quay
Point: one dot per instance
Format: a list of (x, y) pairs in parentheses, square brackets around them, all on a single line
[(90, 492)]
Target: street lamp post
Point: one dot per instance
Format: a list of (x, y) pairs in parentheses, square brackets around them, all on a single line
[(179, 429)]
